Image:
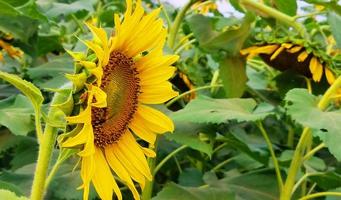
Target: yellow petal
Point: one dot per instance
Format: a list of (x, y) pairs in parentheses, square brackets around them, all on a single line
[(83, 117), (156, 94), (268, 49), (121, 172), (148, 152), (313, 64), (88, 64), (131, 169), (318, 72), (154, 119), (152, 61), (128, 147), (142, 131), (330, 76), (103, 179), (98, 73), (248, 50), (99, 33), (303, 55), (155, 76), (277, 52), (95, 48), (287, 45), (295, 49), (85, 136), (77, 56), (87, 172), (100, 96)]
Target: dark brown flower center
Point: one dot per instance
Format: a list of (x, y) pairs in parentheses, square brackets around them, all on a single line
[(121, 84)]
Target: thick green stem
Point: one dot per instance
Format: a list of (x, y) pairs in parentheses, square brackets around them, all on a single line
[(273, 156), (44, 156), (295, 165), (148, 188), (268, 11), (177, 22), (38, 127)]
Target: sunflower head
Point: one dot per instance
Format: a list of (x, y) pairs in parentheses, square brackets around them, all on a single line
[(298, 57), (115, 81)]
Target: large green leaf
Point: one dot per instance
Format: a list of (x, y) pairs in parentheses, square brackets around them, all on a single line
[(288, 7), (58, 9), (334, 20), (29, 90), (7, 9), (173, 191), (51, 74), (16, 23), (251, 186), (208, 110), (16, 114), (5, 194), (187, 134), (233, 74), (302, 107), (231, 40)]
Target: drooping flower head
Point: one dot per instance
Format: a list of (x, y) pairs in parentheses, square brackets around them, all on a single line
[(291, 56), (115, 82)]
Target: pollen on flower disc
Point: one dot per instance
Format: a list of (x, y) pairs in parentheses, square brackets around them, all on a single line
[(121, 84)]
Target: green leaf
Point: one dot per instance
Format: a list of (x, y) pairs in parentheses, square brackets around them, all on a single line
[(173, 191), (191, 177), (187, 134), (16, 114), (21, 27), (231, 40), (208, 110), (288, 7), (16, 23), (5, 194), (233, 74), (7, 9), (251, 186), (11, 187), (302, 107), (65, 9), (31, 10), (335, 22), (51, 74), (29, 90)]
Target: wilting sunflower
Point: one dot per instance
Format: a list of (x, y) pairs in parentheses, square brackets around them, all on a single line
[(295, 57), (10, 50), (115, 81), (204, 7)]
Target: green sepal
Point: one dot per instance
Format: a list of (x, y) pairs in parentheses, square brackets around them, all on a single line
[(78, 80)]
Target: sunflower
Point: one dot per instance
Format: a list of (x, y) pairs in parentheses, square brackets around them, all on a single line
[(204, 7), (13, 52), (289, 56), (115, 81)]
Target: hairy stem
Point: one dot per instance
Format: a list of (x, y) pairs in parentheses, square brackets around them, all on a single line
[(44, 157)]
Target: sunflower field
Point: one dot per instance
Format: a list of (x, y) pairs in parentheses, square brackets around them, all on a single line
[(170, 99)]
